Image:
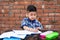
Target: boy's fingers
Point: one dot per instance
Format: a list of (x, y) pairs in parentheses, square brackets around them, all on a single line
[(38, 28), (35, 30)]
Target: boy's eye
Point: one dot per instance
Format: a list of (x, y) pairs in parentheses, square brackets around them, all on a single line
[(33, 14)]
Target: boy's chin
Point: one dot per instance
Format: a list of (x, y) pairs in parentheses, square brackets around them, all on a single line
[(32, 19)]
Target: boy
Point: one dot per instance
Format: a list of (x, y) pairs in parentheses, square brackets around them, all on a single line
[(31, 23)]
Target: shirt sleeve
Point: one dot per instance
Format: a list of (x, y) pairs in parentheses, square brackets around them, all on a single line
[(38, 24), (24, 23)]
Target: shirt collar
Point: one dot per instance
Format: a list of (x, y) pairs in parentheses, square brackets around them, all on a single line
[(31, 20)]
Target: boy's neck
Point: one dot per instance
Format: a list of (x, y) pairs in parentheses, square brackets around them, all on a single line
[(30, 19)]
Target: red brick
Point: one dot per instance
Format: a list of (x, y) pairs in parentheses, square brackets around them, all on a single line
[(5, 10), (52, 3), (5, 22), (57, 22), (58, 2), (19, 3), (6, 7), (39, 14), (6, 26), (4, 18), (1, 15), (51, 14), (50, 6), (12, 26), (44, 22), (18, 7), (51, 18), (45, 2), (0, 22), (39, 6), (12, 18), (17, 18), (4, 3), (1, 11), (49, 10), (58, 10), (57, 18), (27, 2), (52, 27), (6, 15), (57, 14), (39, 10), (0, 7), (21, 18), (11, 14), (57, 27), (15, 11), (37, 3), (17, 15), (17, 27), (18, 22), (57, 7), (44, 14), (5, 0), (9, 22), (45, 18), (22, 15), (23, 12)]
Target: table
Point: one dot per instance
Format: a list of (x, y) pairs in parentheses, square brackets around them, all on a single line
[(36, 37)]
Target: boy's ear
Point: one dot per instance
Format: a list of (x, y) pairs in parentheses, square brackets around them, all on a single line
[(26, 14)]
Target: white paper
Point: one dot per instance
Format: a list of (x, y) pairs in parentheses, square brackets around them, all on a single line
[(25, 32), (36, 32), (6, 34), (47, 32), (12, 34)]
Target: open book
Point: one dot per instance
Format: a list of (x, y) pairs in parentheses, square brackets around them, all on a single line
[(12, 34), (26, 32), (18, 33)]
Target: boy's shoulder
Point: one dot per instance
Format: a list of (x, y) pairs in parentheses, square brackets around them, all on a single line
[(36, 20), (25, 19)]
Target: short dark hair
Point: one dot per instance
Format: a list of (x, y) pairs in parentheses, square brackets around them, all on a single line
[(31, 8)]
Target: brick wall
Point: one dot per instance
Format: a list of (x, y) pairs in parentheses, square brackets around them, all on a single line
[(13, 11)]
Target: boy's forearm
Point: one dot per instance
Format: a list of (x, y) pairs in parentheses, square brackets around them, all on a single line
[(27, 28), (30, 29)]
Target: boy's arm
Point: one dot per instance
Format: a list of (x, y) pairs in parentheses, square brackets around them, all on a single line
[(30, 29), (39, 26), (24, 25)]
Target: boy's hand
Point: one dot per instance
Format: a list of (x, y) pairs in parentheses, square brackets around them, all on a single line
[(38, 28), (34, 30)]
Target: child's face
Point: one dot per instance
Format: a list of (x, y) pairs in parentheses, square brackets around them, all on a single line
[(32, 15)]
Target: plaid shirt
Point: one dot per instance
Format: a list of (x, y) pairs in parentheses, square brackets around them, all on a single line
[(32, 24)]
